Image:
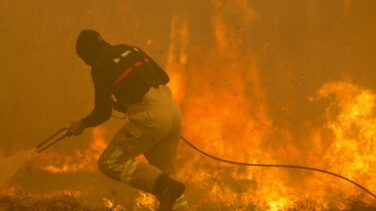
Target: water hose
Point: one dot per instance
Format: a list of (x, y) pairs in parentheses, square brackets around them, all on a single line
[(278, 166), (51, 141)]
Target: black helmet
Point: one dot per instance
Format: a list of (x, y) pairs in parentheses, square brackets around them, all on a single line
[(89, 45)]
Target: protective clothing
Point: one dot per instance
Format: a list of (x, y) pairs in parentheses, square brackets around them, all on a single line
[(126, 75), (167, 191), (89, 46), (76, 128), (153, 129)]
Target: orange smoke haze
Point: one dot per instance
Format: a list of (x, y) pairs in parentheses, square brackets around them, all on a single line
[(288, 82)]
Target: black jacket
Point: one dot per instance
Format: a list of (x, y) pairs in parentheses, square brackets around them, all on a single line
[(125, 72)]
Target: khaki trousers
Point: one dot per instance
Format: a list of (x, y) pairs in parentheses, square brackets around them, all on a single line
[(153, 129)]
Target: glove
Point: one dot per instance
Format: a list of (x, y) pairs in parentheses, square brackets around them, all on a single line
[(76, 128), (119, 107)]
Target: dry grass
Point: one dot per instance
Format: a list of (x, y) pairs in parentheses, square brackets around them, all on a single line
[(19, 201)]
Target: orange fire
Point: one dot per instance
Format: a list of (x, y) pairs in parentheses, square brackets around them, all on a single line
[(352, 122), (225, 112), (145, 201)]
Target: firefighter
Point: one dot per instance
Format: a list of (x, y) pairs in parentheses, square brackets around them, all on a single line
[(125, 76)]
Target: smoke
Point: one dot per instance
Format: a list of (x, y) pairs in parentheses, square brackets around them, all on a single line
[(245, 73), (10, 165)]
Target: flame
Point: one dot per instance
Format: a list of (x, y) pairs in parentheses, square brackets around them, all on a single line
[(348, 150), (225, 113), (108, 203), (145, 201), (111, 205), (352, 122)]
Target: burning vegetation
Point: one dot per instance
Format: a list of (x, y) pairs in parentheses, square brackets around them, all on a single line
[(16, 199), (229, 111)]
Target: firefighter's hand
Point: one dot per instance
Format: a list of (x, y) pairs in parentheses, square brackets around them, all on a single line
[(76, 128), (119, 107)]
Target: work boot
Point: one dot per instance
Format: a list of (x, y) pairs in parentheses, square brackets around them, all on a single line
[(167, 191)]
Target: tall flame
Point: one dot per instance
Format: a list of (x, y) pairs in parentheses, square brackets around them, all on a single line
[(226, 113), (352, 121)]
